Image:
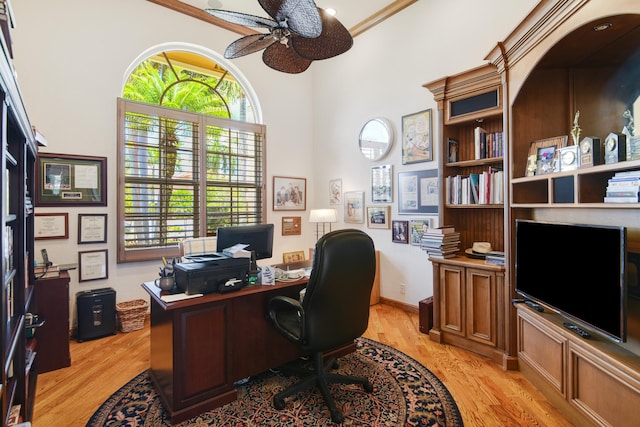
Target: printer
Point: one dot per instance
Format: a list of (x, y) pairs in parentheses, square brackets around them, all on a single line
[(209, 274)]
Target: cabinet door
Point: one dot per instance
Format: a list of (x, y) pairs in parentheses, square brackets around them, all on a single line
[(481, 306), (452, 299)]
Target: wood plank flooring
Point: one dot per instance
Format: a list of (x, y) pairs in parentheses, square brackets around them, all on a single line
[(486, 395)]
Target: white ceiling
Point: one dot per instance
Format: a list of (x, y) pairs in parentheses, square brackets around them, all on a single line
[(349, 12)]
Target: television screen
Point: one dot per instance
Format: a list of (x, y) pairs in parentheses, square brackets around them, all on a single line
[(259, 237), (578, 270)]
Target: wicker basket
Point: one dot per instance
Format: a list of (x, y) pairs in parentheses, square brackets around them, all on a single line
[(131, 314)]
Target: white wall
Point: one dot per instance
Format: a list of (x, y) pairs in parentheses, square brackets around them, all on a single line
[(71, 58)]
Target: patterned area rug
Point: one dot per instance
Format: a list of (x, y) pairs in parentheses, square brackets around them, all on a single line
[(405, 394)]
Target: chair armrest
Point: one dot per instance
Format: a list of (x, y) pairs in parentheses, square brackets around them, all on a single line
[(287, 315)]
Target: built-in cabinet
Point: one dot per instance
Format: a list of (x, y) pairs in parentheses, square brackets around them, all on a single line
[(567, 56), (52, 306), (18, 365)]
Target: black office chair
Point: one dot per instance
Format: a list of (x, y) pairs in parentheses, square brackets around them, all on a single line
[(333, 312)]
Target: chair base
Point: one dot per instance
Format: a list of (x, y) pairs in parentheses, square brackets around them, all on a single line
[(321, 378)]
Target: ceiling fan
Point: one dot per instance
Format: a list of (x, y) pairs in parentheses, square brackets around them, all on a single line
[(299, 33)]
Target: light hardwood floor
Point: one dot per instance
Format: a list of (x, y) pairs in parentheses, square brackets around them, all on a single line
[(486, 395)]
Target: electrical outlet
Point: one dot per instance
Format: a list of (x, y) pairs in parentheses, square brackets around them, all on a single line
[(403, 289)]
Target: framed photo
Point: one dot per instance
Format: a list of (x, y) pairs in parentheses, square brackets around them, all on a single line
[(417, 141), (354, 207), (70, 180), (418, 192), (417, 228), (382, 184), (335, 191), (546, 160), (400, 231), (289, 194), (93, 265), (92, 228), (289, 257), (291, 225), (452, 150), (51, 226), (378, 216), (532, 157)]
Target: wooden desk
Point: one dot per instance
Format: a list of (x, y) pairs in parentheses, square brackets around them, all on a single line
[(201, 346)]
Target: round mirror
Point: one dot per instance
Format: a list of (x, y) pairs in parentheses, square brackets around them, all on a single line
[(376, 138)]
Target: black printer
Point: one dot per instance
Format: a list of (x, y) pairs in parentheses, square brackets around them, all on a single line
[(212, 274)]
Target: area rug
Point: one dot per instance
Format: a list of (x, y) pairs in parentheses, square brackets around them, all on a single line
[(405, 394)]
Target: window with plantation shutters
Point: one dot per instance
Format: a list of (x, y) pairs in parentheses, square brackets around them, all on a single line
[(183, 175)]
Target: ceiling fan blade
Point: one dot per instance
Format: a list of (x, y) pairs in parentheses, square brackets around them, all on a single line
[(282, 58), (302, 16), (248, 44), (334, 40), (242, 18)]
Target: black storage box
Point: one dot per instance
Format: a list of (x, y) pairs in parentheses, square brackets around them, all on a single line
[(221, 275), (96, 313), (425, 309)]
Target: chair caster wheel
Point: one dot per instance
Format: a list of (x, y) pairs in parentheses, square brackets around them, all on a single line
[(368, 387), (278, 404), (337, 417)]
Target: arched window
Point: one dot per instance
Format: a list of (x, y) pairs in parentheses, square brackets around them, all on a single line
[(190, 155)]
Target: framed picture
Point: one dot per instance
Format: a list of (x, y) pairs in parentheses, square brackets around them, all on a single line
[(452, 150), (335, 191), (289, 194), (354, 207), (51, 226), (289, 257), (546, 160), (92, 228), (93, 265), (291, 225), (378, 216), (532, 157), (418, 192), (417, 228), (382, 184), (70, 180), (400, 231), (417, 141)]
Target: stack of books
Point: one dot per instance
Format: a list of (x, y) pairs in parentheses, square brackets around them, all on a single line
[(623, 187), (43, 272), (494, 257), (484, 188), (441, 242)]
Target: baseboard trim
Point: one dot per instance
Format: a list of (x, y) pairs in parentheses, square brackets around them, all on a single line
[(404, 306)]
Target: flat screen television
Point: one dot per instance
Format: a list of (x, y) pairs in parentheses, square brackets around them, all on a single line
[(575, 269), (259, 237)]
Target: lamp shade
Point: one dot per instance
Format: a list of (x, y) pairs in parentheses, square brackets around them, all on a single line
[(322, 215)]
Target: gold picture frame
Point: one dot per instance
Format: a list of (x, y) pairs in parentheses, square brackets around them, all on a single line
[(295, 256)]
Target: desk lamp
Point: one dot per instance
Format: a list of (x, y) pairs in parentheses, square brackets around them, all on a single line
[(324, 217)]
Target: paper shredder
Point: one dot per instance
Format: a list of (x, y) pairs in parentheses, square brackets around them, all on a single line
[(96, 313)]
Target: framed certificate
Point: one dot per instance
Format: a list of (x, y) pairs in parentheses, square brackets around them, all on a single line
[(92, 228), (51, 226), (93, 265)]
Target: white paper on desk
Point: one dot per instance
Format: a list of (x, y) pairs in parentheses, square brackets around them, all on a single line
[(178, 297), (267, 275), (237, 251)]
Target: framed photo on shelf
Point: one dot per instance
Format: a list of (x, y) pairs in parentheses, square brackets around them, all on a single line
[(289, 194), (335, 191), (452, 150), (382, 184), (295, 256), (291, 225), (354, 207), (92, 228), (51, 226), (400, 231), (417, 228), (93, 265), (418, 192), (417, 141), (378, 216), (70, 180), (556, 142), (546, 160)]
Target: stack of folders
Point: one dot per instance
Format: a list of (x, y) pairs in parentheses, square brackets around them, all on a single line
[(623, 187), (494, 257), (441, 242)]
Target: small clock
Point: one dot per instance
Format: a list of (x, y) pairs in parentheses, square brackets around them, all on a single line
[(615, 148), (590, 152), (568, 157)]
